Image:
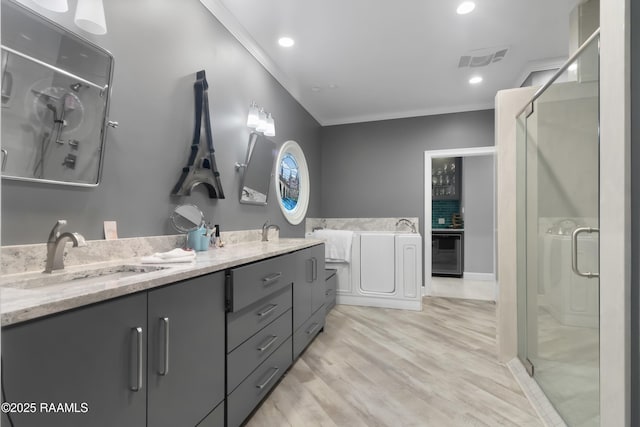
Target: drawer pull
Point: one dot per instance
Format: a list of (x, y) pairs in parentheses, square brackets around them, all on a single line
[(268, 310), (164, 321), (136, 365), (272, 340), (268, 380), (271, 279), (313, 328)]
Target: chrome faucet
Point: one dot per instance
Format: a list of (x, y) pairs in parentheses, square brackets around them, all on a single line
[(56, 244), (407, 222), (265, 230)]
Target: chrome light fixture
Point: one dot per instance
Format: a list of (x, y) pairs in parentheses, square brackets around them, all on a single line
[(260, 120), (90, 16), (253, 118), (262, 123), (271, 126), (53, 5)]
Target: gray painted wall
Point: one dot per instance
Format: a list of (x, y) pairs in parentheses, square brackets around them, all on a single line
[(157, 51), (376, 169), (635, 213), (477, 199)]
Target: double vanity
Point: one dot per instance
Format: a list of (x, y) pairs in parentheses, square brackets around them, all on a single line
[(126, 344)]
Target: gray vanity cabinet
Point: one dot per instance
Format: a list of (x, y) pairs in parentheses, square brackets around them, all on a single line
[(309, 295), (259, 320), (186, 351), (94, 355), (114, 356)]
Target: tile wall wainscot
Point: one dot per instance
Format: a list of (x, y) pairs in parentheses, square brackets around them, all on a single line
[(360, 224), (26, 258), (443, 209)]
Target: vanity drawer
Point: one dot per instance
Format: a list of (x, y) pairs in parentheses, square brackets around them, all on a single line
[(243, 360), (243, 324), (308, 331), (253, 282), (252, 390)]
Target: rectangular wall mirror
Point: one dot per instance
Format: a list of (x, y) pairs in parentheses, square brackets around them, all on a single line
[(55, 100), (258, 172)]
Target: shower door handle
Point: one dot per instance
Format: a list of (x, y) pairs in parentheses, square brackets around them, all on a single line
[(574, 251)]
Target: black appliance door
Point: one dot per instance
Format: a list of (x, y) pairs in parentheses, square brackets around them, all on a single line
[(446, 255)]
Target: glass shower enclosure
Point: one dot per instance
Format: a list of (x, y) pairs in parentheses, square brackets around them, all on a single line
[(558, 239)]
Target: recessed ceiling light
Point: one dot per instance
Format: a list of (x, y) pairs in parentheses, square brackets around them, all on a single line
[(465, 7), (286, 41), (475, 80), (315, 88), (333, 86), (573, 67)]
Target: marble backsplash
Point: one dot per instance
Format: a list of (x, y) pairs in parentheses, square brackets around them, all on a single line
[(360, 224), (24, 258)]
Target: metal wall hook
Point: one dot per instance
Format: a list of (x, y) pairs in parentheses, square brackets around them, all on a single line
[(113, 124)]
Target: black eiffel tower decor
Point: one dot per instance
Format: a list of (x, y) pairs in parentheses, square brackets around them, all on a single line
[(201, 167)]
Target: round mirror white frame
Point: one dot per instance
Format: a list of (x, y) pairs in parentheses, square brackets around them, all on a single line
[(292, 169)]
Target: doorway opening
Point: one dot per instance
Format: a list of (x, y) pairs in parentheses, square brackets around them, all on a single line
[(474, 223)]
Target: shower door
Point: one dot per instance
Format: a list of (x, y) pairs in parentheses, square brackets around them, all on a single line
[(558, 220)]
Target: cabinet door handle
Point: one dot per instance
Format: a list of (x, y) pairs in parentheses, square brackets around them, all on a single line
[(272, 340), (309, 271), (268, 380), (266, 281), (136, 359), (268, 310), (315, 269), (164, 322), (313, 328)]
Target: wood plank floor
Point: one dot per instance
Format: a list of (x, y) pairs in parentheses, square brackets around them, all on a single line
[(383, 367)]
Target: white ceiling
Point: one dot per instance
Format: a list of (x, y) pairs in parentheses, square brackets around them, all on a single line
[(391, 59)]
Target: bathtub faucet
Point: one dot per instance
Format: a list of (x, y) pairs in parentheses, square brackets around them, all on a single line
[(407, 222)]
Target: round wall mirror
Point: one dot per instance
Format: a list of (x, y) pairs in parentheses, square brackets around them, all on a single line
[(186, 218), (292, 182)]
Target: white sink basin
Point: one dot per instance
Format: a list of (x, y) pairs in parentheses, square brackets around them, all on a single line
[(76, 277)]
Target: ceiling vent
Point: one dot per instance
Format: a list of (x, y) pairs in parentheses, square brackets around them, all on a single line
[(482, 58)]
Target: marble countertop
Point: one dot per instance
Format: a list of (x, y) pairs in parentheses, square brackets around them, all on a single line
[(447, 230), (19, 304)]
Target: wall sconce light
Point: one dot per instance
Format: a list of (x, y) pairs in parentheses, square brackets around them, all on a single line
[(253, 118), (271, 126), (260, 120), (53, 5), (90, 16)]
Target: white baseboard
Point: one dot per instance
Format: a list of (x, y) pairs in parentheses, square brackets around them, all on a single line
[(379, 302), (488, 277), (451, 287)]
